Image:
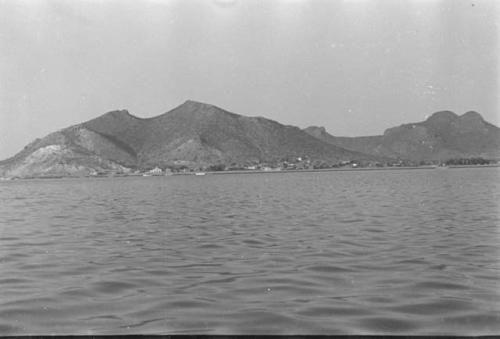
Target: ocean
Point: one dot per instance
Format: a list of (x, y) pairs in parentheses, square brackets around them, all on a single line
[(406, 252)]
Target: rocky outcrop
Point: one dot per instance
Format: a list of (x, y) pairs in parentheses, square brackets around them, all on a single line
[(444, 135)]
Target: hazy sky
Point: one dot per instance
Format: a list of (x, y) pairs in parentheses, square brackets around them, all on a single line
[(355, 67)]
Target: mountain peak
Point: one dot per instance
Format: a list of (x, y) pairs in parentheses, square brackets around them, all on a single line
[(442, 116), (315, 130), (193, 106), (120, 113), (196, 104), (471, 115), (200, 110)]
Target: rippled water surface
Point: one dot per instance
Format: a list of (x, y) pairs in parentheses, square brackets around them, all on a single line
[(375, 252)]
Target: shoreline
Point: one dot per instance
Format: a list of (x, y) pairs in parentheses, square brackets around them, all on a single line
[(350, 169)]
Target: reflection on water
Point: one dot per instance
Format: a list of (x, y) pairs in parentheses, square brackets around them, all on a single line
[(378, 252)]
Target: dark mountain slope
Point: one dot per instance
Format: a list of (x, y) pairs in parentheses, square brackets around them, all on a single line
[(231, 137), (202, 133), (193, 133), (443, 136), (122, 128)]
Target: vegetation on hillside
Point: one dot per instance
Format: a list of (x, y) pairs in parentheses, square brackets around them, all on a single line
[(196, 136)]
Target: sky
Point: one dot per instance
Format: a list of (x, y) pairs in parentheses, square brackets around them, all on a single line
[(355, 67)]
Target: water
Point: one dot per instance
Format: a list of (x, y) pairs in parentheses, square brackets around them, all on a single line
[(378, 252)]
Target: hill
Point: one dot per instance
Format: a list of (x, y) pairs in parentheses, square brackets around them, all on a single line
[(444, 135), (193, 134)]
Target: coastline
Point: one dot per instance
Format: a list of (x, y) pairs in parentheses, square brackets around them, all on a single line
[(347, 169), (350, 169)]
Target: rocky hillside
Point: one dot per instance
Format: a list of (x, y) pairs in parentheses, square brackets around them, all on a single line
[(72, 151), (444, 135), (193, 134)]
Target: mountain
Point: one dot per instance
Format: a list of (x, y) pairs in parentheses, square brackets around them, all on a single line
[(194, 134), (72, 151), (444, 135)]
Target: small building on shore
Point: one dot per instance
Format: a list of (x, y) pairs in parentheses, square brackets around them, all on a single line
[(156, 171)]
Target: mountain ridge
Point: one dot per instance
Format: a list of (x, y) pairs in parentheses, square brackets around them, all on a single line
[(193, 134), (197, 135), (442, 136)]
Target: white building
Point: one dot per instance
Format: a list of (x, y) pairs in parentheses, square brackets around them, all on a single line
[(156, 171)]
